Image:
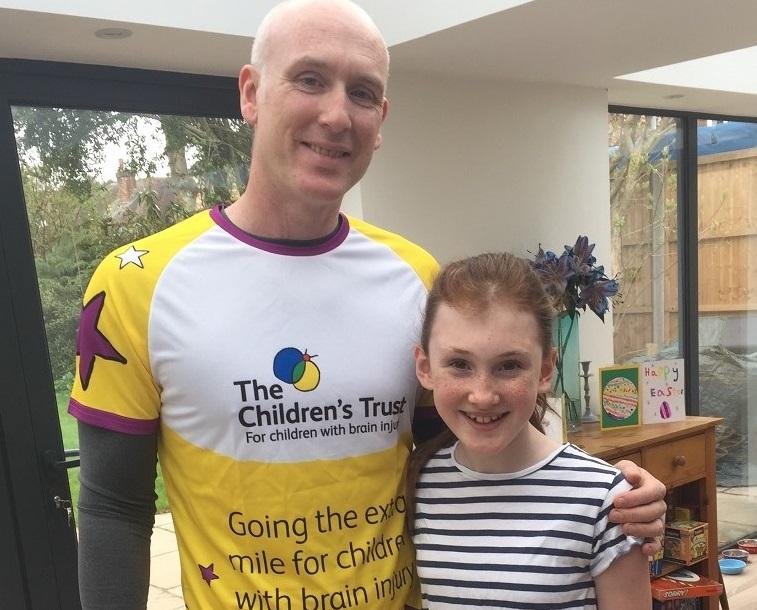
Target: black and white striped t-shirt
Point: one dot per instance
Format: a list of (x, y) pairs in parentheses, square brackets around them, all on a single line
[(529, 540)]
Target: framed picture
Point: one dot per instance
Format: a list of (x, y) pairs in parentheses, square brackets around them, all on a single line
[(620, 400), (555, 420)]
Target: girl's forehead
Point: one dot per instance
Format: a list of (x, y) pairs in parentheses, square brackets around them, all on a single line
[(487, 312), (503, 321)]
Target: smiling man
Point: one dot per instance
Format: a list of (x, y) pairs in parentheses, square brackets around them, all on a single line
[(315, 94), (265, 351)]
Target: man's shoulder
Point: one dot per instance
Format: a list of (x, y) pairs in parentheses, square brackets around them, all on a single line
[(414, 255), (142, 261), (176, 236)]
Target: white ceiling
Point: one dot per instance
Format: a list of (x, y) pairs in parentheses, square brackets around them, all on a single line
[(731, 71), (578, 42), (398, 21)]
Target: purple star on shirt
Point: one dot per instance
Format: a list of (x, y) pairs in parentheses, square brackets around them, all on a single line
[(207, 573), (90, 342)]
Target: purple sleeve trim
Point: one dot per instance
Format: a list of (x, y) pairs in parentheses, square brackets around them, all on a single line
[(327, 246), (111, 421)]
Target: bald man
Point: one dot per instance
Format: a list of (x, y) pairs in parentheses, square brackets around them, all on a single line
[(265, 351)]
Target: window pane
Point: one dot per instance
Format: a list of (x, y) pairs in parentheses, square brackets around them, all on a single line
[(644, 152), (727, 243), (96, 180)]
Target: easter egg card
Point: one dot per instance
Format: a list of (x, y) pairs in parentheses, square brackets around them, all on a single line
[(662, 390), (620, 401)]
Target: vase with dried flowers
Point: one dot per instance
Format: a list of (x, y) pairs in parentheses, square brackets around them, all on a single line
[(574, 281)]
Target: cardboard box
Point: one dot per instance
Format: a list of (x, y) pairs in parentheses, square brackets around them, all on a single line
[(655, 562), (686, 541), (682, 585), (684, 513)]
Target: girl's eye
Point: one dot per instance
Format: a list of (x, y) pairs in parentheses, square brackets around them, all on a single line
[(460, 365), (510, 365)]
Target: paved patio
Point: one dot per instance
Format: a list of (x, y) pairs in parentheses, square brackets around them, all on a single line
[(165, 577)]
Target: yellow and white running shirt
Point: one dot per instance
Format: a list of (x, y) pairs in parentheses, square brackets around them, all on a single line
[(281, 381)]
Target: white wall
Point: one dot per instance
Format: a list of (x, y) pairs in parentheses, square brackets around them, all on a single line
[(352, 204), (470, 166)]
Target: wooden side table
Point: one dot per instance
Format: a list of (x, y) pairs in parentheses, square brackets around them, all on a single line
[(682, 456)]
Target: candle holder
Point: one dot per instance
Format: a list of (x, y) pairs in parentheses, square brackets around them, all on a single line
[(588, 416)]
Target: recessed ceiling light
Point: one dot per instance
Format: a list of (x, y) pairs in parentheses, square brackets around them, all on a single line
[(113, 33), (674, 96)]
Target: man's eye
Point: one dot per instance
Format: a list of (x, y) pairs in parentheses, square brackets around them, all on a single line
[(308, 81), (363, 96)]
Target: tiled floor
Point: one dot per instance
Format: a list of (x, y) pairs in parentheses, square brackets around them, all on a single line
[(737, 510), (742, 589), (737, 517)]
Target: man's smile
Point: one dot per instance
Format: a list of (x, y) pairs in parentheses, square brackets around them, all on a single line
[(327, 152)]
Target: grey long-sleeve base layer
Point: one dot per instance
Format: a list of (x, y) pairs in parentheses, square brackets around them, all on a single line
[(116, 516)]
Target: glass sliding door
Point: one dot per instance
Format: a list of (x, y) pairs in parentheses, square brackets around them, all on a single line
[(644, 157), (646, 161), (727, 251)]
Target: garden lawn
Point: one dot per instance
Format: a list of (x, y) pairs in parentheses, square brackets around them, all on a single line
[(70, 433)]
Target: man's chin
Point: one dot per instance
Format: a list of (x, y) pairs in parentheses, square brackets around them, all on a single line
[(325, 194)]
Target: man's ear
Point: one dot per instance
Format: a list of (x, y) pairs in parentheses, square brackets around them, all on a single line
[(379, 137), (249, 79), (547, 368), (423, 368)]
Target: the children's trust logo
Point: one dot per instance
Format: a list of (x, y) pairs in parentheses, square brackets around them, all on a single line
[(292, 366)]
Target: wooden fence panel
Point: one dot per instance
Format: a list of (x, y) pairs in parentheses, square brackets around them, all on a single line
[(727, 216)]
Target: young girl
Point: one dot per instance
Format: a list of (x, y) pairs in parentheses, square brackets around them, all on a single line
[(505, 517)]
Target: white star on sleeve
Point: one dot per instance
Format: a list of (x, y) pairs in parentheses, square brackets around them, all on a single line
[(132, 256)]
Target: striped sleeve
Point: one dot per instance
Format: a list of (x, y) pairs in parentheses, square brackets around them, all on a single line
[(610, 542)]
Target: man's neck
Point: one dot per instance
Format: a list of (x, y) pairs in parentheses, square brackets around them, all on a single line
[(271, 219)]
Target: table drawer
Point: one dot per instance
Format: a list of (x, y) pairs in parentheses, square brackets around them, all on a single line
[(677, 462), (634, 457)]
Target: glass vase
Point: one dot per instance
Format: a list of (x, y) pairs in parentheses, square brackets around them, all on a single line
[(566, 376)]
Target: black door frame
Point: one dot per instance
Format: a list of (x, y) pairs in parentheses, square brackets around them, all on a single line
[(38, 552)]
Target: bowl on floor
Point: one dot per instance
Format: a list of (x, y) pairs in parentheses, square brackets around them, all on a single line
[(748, 544), (731, 566), (739, 554)]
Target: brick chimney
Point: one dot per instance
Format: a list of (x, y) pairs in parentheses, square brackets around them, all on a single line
[(127, 183)]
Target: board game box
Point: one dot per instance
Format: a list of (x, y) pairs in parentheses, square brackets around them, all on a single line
[(693, 603), (683, 584)]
